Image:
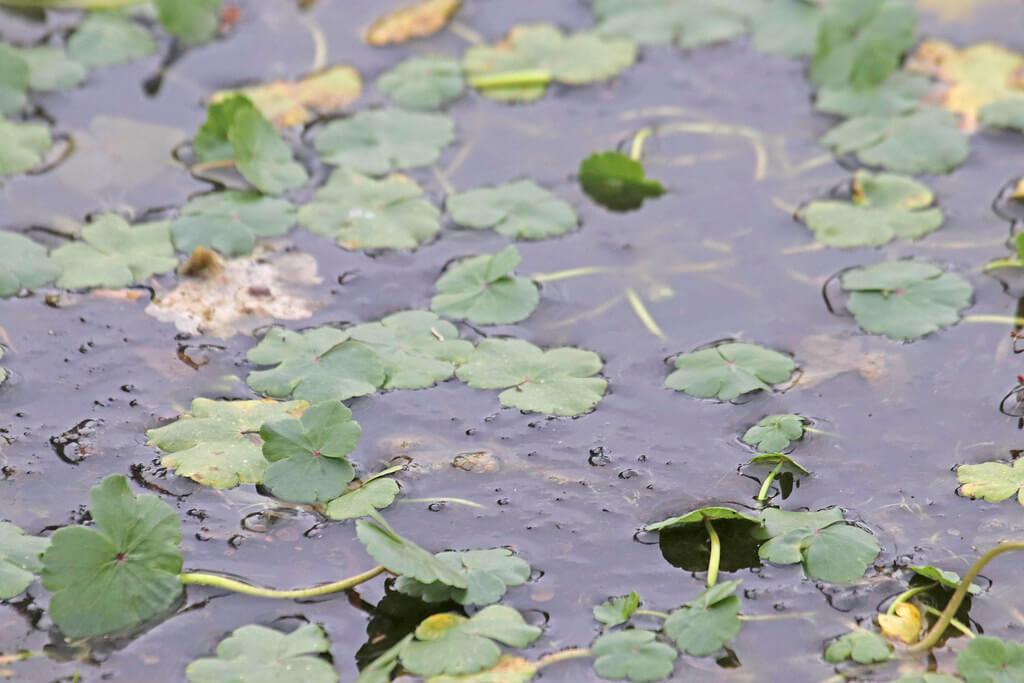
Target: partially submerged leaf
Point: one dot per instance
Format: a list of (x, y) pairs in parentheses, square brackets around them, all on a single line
[(402, 556), (558, 381), (119, 573), (904, 624), (901, 93), (863, 647), (944, 577), (22, 146), (378, 141), (729, 370), (689, 24), (19, 558), (707, 622), (882, 207), (773, 459), (115, 254), (108, 38), (698, 516), (423, 83), (361, 502), (193, 21), (482, 290), (416, 20), (518, 210), (308, 462), (632, 654), (488, 573), (318, 365), (23, 264), (905, 299), (861, 42), (617, 610), (218, 443), (294, 103), (991, 660), (364, 213), (829, 549), (774, 433), (230, 221), (257, 654), (992, 481)]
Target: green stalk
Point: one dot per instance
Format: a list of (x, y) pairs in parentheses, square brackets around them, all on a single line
[(907, 594), (562, 656), (716, 553), (525, 78), (636, 150), (652, 613), (955, 623), (204, 579), (763, 493), (953, 605), (1003, 263)]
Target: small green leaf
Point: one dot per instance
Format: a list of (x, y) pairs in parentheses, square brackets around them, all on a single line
[(488, 573), (423, 83), (194, 21), (883, 207), (698, 517), (217, 444), (632, 654), (945, 577), (108, 38), (261, 156), (773, 459), (211, 142), (363, 213), (617, 182), (307, 455), (925, 141), (829, 549), (861, 42), (50, 68), (558, 381), (451, 644), (363, 501), (704, 625), (401, 556), (905, 299), (23, 264), (317, 365), (119, 573), (729, 370), (992, 481), (863, 647), (230, 221), (376, 142), (617, 610), (990, 660), (257, 654), (518, 210), (19, 558), (690, 24), (22, 146), (901, 93), (774, 433), (115, 254), (482, 290), (13, 80)]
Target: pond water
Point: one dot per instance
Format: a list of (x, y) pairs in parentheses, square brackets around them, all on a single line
[(719, 256)]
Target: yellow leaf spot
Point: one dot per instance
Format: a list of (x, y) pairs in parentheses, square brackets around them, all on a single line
[(905, 624), (418, 20)]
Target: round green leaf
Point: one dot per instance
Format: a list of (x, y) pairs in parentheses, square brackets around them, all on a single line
[(119, 573), (992, 481), (107, 38), (402, 556), (19, 559), (317, 365), (23, 264), (380, 141), (774, 433), (863, 647), (22, 146), (945, 577), (905, 299), (617, 610), (617, 182), (830, 549), (115, 254), (49, 68), (423, 82), (488, 573), (307, 456), (883, 207), (558, 381), (261, 156), (729, 370), (698, 517), (230, 221), (217, 444), (363, 501), (363, 213), (257, 654), (706, 623), (632, 654), (990, 660), (689, 24), (482, 290), (518, 210)]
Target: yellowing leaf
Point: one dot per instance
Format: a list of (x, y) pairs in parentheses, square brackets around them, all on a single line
[(293, 103), (418, 20), (971, 77), (905, 624), (1018, 191)]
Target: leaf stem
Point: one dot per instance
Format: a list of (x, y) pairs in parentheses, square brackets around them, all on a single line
[(562, 656), (763, 493), (652, 613), (716, 553), (955, 623), (907, 594), (997, 319), (953, 605), (1003, 263), (572, 272), (204, 166), (636, 150), (524, 78), (204, 579)]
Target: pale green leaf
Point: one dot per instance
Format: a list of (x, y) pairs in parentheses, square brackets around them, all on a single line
[(518, 210), (379, 141), (257, 654), (482, 290), (113, 253), (423, 83), (729, 370)]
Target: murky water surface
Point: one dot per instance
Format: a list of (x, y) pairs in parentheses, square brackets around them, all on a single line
[(717, 257)]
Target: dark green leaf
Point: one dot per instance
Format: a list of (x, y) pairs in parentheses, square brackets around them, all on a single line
[(211, 141), (617, 182), (945, 577), (861, 42)]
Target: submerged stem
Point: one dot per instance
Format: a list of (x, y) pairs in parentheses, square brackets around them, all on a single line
[(763, 493), (636, 150), (953, 605), (716, 553), (204, 579), (562, 656), (955, 623), (512, 79), (443, 499), (907, 594)]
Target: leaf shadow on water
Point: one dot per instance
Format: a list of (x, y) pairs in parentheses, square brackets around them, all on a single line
[(688, 547), (394, 617)]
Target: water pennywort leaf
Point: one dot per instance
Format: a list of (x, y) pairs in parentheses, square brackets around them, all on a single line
[(108, 38), (863, 647), (22, 146), (401, 556), (829, 549), (488, 573), (19, 557), (423, 83), (992, 481), (707, 622), (24, 264), (616, 181), (230, 221), (380, 141), (861, 42), (256, 654), (482, 290), (363, 501), (119, 573), (991, 659), (901, 93), (518, 210), (617, 610), (729, 370), (774, 433), (115, 254), (632, 654), (947, 578)]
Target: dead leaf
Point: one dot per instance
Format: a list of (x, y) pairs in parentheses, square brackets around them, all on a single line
[(117, 294), (293, 103), (905, 624), (970, 77), (248, 293), (418, 20), (823, 357)]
